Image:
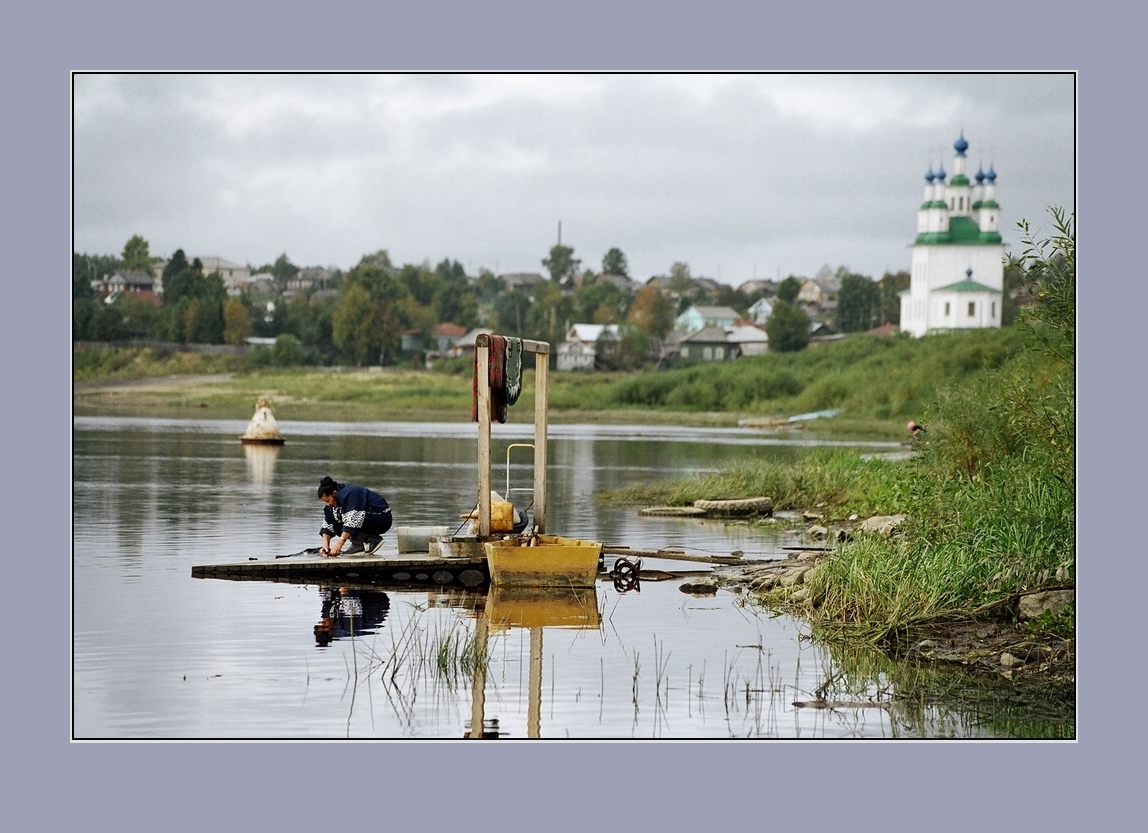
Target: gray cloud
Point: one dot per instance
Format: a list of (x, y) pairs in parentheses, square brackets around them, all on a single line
[(739, 174)]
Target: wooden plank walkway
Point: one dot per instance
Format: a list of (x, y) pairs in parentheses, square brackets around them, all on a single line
[(415, 568), (419, 568)]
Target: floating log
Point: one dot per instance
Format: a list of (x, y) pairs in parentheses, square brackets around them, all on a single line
[(671, 555), (736, 508)]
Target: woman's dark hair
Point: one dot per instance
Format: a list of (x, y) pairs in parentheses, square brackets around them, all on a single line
[(327, 486)]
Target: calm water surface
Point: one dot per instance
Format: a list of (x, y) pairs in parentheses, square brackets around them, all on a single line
[(159, 654)]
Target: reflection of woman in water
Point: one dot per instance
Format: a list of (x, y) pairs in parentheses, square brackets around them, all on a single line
[(349, 611)]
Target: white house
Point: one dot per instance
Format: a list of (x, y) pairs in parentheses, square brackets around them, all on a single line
[(957, 270), (760, 311), (580, 349)]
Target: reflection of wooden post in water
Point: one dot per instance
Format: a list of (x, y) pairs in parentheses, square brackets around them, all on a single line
[(478, 689), (534, 708), (533, 609)]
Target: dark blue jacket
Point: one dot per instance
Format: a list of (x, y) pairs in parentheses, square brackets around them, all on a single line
[(357, 510)]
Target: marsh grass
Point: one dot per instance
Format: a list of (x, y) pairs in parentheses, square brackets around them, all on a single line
[(446, 654), (839, 482)]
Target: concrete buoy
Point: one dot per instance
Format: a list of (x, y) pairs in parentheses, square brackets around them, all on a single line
[(263, 429)]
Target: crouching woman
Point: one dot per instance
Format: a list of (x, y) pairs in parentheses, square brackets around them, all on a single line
[(354, 518)]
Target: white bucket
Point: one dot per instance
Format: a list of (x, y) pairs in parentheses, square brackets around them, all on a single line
[(417, 538)]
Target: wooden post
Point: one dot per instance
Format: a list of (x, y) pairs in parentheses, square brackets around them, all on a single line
[(534, 701), (541, 386), (541, 351), (478, 685), (482, 345)]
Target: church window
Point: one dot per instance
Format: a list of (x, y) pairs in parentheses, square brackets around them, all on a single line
[(972, 308), (946, 309)]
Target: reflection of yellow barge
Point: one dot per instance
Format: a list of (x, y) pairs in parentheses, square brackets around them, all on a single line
[(542, 607)]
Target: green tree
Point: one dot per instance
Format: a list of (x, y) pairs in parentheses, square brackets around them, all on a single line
[(106, 324), (420, 282), (680, 280), (892, 284), (488, 286), (301, 319), (614, 263), (287, 351), (548, 316), (858, 303), (83, 311), (600, 302), (511, 310), (372, 324), (1015, 279), (177, 264), (353, 325), (83, 273), (453, 299), (170, 326), (651, 312), (236, 321), (283, 269), (787, 328), (788, 289), (182, 279), (136, 257), (379, 260), (631, 351), (1050, 266), (139, 316), (562, 264)]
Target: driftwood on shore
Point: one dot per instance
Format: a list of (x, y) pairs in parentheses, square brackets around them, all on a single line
[(671, 555), (740, 508)]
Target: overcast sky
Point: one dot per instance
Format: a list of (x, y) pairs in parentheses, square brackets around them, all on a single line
[(740, 176)]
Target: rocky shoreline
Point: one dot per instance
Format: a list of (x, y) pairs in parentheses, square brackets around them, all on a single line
[(995, 640)]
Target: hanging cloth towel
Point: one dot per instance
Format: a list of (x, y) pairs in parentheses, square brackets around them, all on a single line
[(496, 363), (512, 373)]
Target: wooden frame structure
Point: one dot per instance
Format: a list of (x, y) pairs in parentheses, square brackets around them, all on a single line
[(541, 351)]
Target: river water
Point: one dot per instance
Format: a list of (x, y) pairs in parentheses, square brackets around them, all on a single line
[(160, 654)]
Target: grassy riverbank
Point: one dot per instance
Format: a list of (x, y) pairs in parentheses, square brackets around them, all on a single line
[(877, 383), (990, 497)]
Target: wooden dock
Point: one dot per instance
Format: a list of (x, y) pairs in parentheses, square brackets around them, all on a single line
[(416, 568), (407, 569)]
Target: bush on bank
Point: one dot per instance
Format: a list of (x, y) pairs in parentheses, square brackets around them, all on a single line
[(991, 496)]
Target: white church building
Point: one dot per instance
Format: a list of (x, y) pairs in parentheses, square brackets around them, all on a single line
[(957, 274)]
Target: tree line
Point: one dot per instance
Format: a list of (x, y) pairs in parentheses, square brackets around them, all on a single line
[(362, 316)]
